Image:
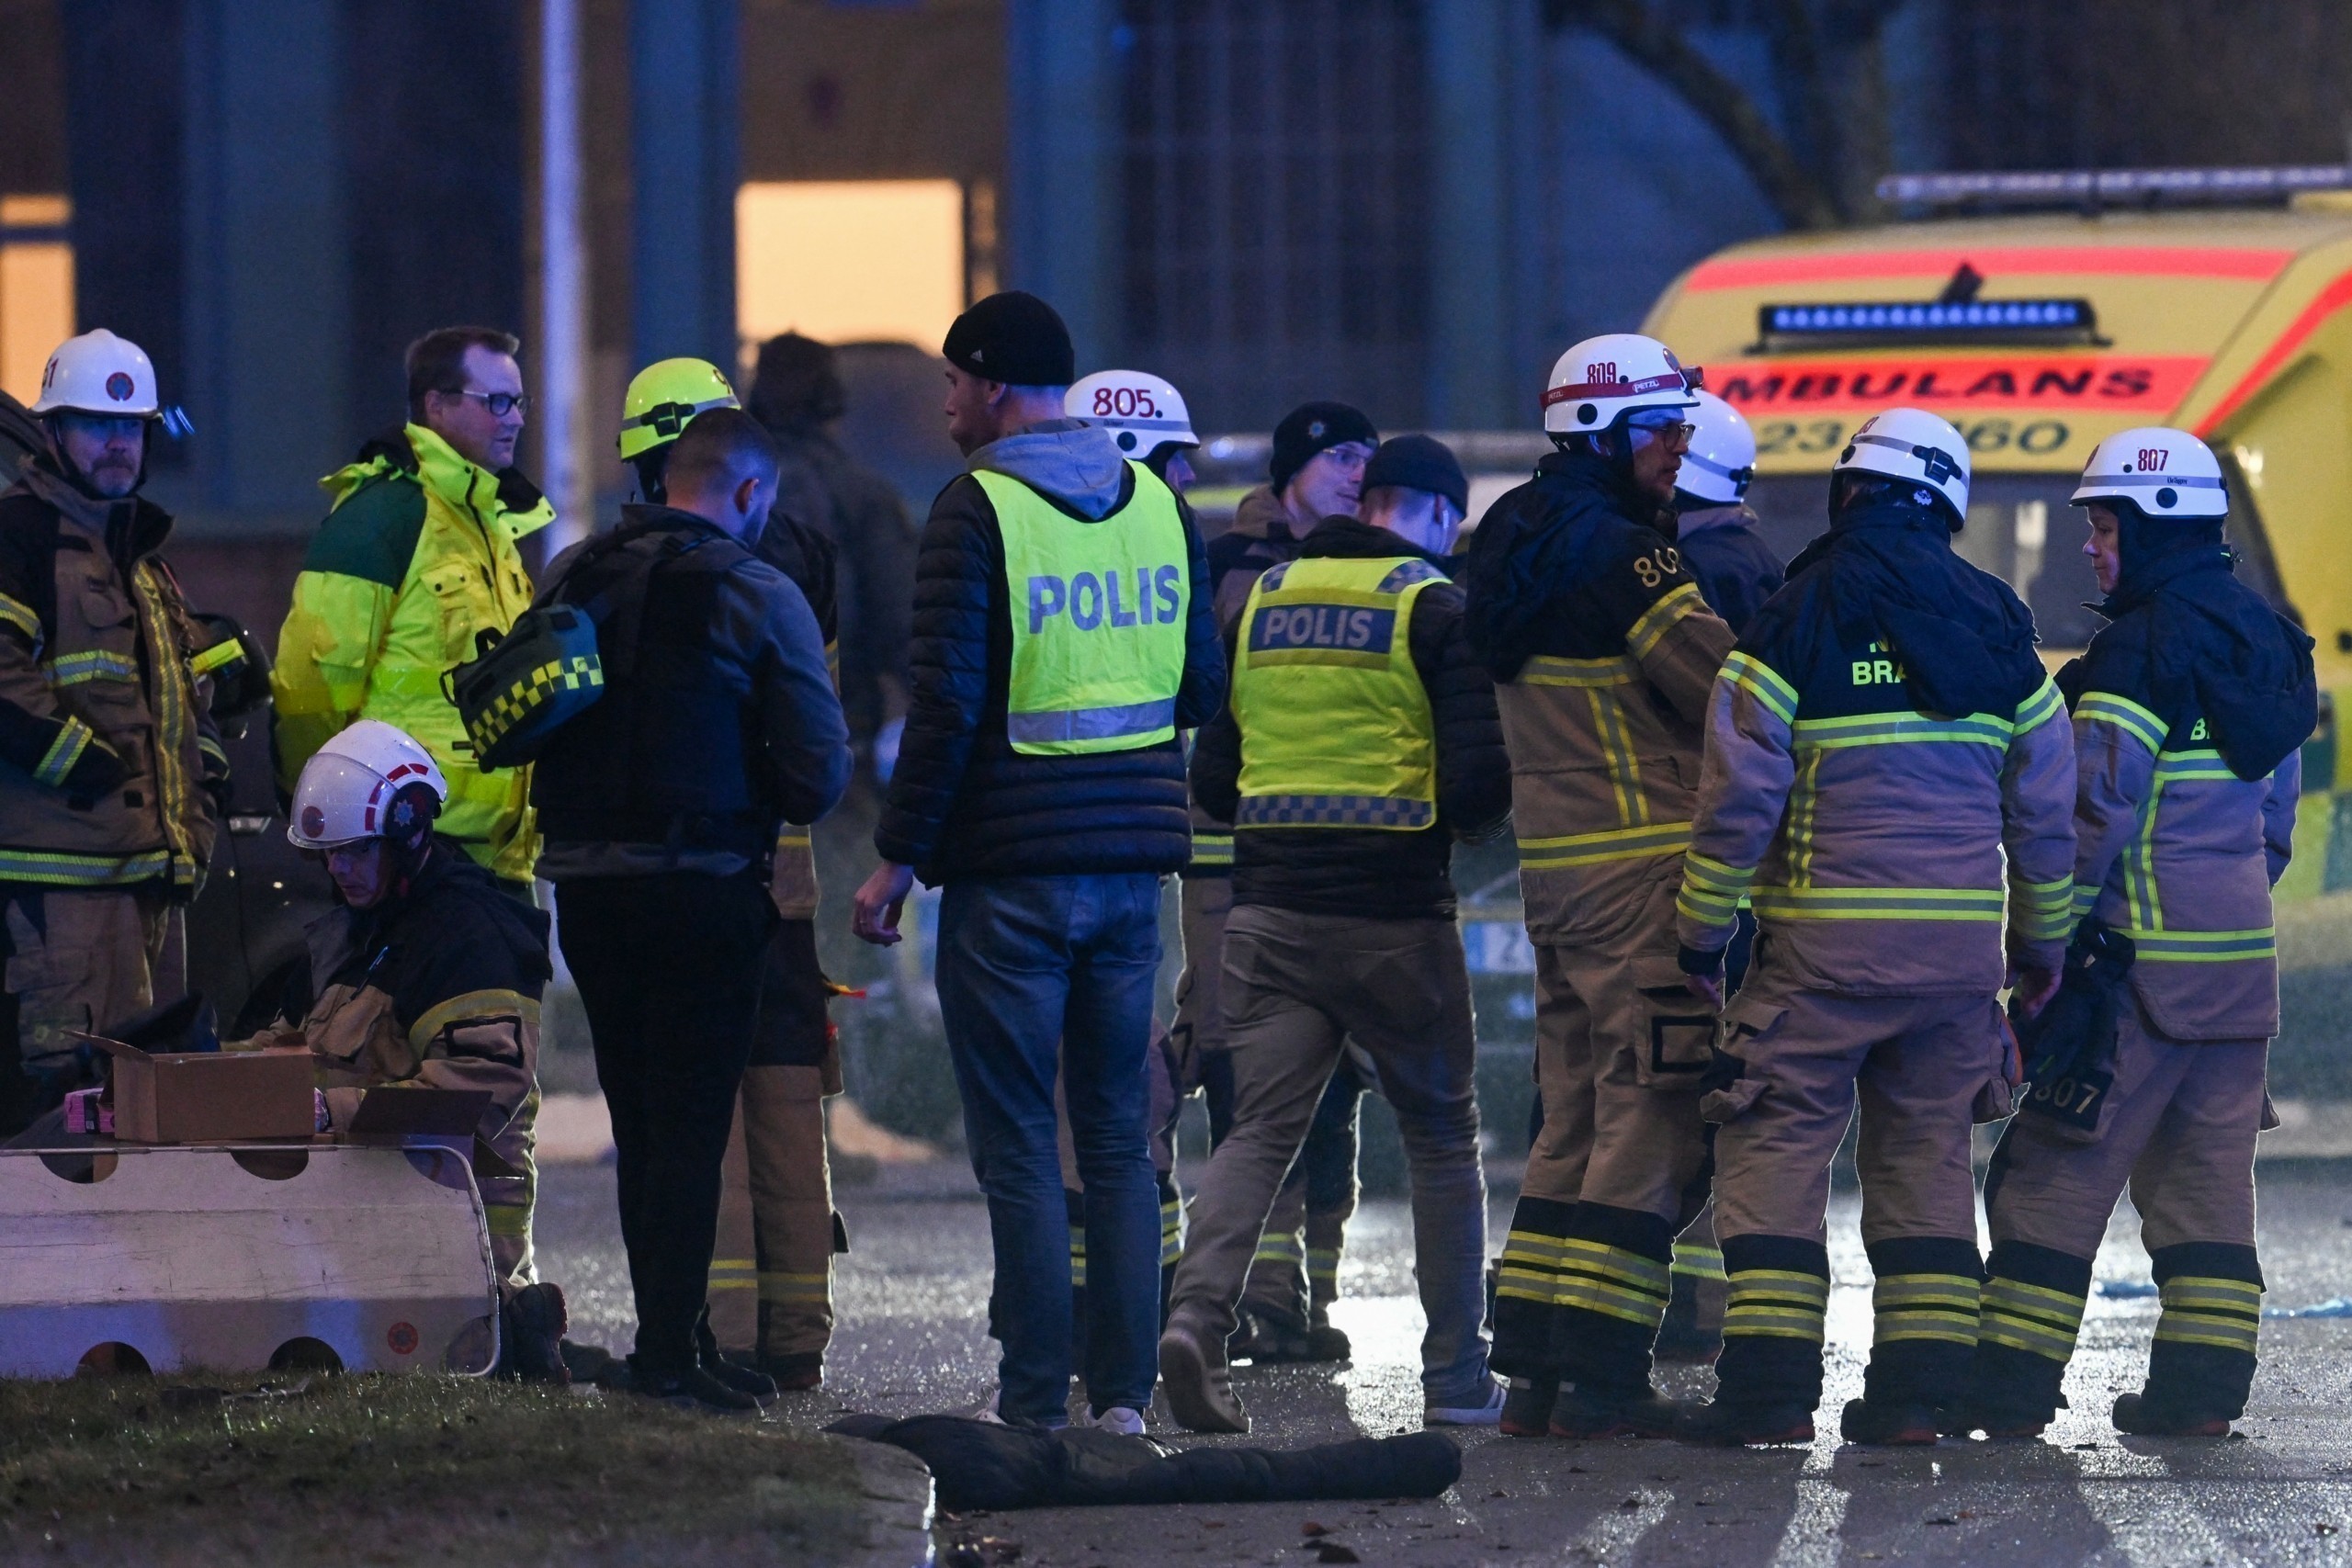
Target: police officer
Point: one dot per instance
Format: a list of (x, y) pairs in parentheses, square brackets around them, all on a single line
[(1717, 532), (1360, 741), (1603, 653), (1062, 638), (1884, 753), (2189, 708), (662, 804), (772, 1279)]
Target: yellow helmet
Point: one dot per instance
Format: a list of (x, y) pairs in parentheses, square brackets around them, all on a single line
[(663, 397)]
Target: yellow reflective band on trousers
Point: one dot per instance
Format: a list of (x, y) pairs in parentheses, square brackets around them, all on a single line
[(2033, 1318), (1171, 1231), (1698, 1262), (1322, 1263), (1077, 1257), (2226, 1313), (1211, 852), (1611, 844), (1879, 903), (1779, 1303), (1098, 616), (1273, 1248), (1531, 1262), (795, 1289), (733, 1274), (1925, 1306), (1335, 727), (1610, 1280)]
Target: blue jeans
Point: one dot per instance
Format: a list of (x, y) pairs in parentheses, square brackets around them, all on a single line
[(1033, 970)]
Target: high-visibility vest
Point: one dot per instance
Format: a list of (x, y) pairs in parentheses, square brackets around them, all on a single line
[(1098, 616), (1335, 727)]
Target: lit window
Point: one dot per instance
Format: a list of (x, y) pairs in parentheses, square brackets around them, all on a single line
[(845, 260), (36, 288)]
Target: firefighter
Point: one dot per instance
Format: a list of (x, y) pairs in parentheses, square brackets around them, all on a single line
[(1885, 752), (772, 1279), (110, 774), (429, 976), (1358, 742), (2189, 711), (1603, 653)]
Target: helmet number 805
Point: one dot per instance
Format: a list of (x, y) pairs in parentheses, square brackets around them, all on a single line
[(1126, 403)]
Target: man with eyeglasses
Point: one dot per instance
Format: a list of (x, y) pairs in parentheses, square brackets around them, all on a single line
[(1604, 655), (416, 559)]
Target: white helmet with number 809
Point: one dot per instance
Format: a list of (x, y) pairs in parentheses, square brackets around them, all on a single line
[(1603, 379), (2165, 473)]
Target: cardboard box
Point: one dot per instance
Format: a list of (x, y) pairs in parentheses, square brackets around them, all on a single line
[(211, 1097)]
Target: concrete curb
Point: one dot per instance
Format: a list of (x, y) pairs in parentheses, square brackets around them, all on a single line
[(899, 1505)]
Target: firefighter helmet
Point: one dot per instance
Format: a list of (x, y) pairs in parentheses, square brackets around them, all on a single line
[(1722, 457), (1913, 444), (664, 396), (364, 784), (1603, 379), (2167, 474)]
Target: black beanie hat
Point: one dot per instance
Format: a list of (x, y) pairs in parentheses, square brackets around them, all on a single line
[(1014, 338), (1311, 428), (1419, 462)]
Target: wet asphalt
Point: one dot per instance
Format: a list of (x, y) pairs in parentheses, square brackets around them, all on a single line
[(911, 1292)]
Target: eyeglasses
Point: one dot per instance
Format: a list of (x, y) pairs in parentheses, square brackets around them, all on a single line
[(500, 404), (1675, 433)]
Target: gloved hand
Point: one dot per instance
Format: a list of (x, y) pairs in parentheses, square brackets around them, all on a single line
[(97, 773), (1702, 971)]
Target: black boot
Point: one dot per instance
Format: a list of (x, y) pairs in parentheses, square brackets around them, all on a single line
[(532, 1320), (1723, 1426), (1527, 1407), (725, 1371), (2139, 1416), (1583, 1412)]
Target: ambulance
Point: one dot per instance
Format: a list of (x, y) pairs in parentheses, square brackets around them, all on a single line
[(2038, 334)]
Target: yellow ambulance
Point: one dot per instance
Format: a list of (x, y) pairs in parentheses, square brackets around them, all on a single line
[(2038, 335)]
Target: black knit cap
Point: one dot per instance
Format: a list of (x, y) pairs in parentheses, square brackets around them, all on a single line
[(1311, 428), (1014, 338), (1419, 462)]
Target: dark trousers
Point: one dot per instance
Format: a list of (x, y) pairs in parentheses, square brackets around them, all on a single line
[(668, 968)]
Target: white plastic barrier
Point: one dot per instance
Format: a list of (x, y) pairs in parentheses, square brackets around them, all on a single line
[(239, 1258)]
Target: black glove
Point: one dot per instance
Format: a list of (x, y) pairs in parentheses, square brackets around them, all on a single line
[(95, 774)]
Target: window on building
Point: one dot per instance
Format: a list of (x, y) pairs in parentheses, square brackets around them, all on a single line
[(849, 259), (36, 288)]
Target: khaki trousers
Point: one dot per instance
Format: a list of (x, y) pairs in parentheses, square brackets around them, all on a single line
[(81, 959), (1298, 988)]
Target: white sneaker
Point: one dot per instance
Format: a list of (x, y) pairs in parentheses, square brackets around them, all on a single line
[(1486, 1415), (1119, 1418)]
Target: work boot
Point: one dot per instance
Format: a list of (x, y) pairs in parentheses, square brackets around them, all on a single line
[(533, 1318), (1325, 1343), (1198, 1386), (1266, 1340), (589, 1363), (795, 1373), (732, 1373), (1885, 1424), (1722, 1426), (2138, 1416), (1527, 1407), (690, 1389), (1588, 1413)]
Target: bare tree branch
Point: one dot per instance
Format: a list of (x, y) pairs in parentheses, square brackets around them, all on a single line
[(1654, 45)]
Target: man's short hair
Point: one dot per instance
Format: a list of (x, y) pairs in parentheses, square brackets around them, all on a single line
[(437, 362), (720, 448)]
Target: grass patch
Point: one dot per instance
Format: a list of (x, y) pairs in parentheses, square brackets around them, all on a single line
[(402, 1470), (2311, 1059)]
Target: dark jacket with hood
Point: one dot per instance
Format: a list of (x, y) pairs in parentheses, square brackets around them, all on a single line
[(1736, 569), (2189, 708), (1603, 654), (1888, 770), (963, 802), (1376, 875)]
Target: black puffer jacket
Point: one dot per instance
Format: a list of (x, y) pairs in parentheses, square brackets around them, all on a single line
[(1382, 875), (962, 802)]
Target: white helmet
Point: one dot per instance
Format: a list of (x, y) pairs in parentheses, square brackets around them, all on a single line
[(1613, 374), (98, 373), (1142, 413), (2165, 473), (1722, 457), (1911, 444), (345, 792)]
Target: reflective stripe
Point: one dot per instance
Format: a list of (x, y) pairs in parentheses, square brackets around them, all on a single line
[(2125, 714), (1760, 680), (1698, 1263), (1889, 729), (2203, 947), (1660, 618), (1878, 903), (1804, 810), (1529, 1265), (2045, 703), (471, 1007), (2033, 1318), (775, 1286), (227, 651), (506, 1219), (2173, 767), (1594, 1277), (1333, 810), (2206, 1310), (73, 738), (1615, 844), (1617, 750), (1212, 848), (1322, 1263), (2085, 898), (97, 664), (1925, 1306), (1711, 890), (1544, 669), (1777, 1303), (2046, 909), (17, 614), (1066, 725), (733, 1274), (1274, 1248)]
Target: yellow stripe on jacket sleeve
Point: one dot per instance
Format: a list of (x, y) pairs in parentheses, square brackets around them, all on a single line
[(2126, 715), (1759, 680), (1680, 600), (2043, 911), (1711, 890), (2042, 705)]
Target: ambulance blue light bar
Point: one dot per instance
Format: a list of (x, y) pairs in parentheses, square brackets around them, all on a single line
[(2096, 187), (1937, 318)]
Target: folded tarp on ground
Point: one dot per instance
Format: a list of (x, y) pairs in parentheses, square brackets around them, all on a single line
[(978, 1465)]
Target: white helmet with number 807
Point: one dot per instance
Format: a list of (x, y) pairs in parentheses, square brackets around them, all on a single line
[(2165, 473), (1911, 444), (1603, 379)]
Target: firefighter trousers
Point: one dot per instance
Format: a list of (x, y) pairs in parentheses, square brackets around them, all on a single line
[(82, 958), (2177, 1127), (1919, 1068)]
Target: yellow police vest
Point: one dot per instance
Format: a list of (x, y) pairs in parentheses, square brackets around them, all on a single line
[(1336, 728), (1098, 619)]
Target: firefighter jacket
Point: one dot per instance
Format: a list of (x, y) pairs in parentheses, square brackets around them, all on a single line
[(810, 560), (1883, 750), (1259, 538), (2184, 804), (415, 560), (437, 987), (110, 758), (1603, 655), (1736, 569)]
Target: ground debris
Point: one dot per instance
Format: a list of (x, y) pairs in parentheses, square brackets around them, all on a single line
[(1332, 1551)]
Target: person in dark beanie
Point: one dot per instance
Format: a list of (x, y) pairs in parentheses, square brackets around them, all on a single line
[(1316, 471), (1062, 640), (796, 393)]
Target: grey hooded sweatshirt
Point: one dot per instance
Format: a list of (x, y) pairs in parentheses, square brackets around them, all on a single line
[(962, 802)]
